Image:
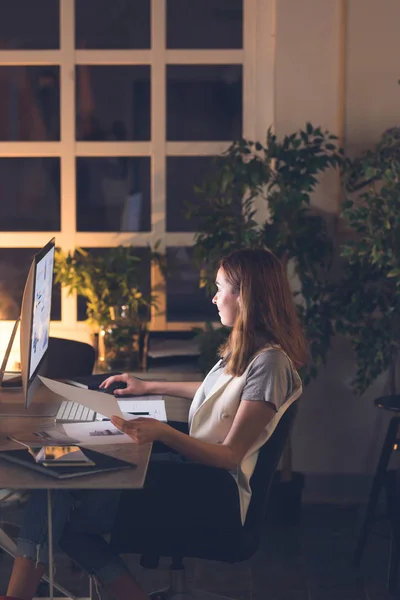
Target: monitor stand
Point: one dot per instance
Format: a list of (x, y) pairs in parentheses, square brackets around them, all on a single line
[(12, 403)]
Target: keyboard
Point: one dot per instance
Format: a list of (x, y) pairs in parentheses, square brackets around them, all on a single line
[(73, 412)]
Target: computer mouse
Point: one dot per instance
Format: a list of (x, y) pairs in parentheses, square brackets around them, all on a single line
[(117, 385)]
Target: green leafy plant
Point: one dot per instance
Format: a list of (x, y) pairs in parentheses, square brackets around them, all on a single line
[(284, 173), (209, 340), (108, 279), (367, 302)]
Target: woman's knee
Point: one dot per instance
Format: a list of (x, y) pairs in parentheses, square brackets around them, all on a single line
[(34, 526), (95, 511), (36, 552)]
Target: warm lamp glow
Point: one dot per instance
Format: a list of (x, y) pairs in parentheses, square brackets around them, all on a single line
[(14, 361), (102, 351)]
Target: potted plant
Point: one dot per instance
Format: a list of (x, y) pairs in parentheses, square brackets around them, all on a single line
[(284, 173), (118, 308), (368, 306)]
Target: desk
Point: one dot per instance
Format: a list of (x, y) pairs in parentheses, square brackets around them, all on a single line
[(17, 477)]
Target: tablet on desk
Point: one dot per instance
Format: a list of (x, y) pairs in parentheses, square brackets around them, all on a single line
[(62, 456), (101, 464)]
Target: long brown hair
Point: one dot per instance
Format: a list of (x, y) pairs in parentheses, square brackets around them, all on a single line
[(267, 313)]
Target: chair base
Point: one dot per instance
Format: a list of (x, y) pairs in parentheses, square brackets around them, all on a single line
[(170, 594), (178, 588)]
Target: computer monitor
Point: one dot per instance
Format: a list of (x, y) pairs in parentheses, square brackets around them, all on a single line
[(34, 322)]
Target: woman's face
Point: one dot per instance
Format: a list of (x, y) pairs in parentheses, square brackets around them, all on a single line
[(226, 300)]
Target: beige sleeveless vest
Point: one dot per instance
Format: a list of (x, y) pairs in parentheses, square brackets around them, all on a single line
[(211, 419)]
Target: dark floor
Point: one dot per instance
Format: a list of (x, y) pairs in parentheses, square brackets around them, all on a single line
[(309, 561)]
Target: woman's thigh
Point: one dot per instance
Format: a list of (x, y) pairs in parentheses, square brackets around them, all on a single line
[(183, 494)]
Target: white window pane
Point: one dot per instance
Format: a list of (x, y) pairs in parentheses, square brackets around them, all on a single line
[(29, 24), (207, 24), (113, 193), (116, 24), (113, 103), (29, 103), (186, 301), (204, 102), (29, 194)]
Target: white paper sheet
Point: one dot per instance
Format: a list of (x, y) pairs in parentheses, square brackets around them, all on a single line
[(153, 405), (106, 404), (96, 433)]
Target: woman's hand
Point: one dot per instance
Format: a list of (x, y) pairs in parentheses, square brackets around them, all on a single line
[(134, 386), (141, 430)]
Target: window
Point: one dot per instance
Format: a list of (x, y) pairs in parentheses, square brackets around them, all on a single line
[(110, 112)]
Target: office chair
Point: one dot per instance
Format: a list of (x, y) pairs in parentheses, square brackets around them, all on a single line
[(237, 546), (67, 359)]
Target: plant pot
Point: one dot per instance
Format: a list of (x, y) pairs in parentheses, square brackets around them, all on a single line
[(285, 501), (125, 348)]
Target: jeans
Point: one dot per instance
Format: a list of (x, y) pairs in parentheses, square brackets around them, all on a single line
[(80, 517)]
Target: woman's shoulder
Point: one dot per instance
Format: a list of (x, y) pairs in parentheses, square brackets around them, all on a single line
[(271, 358)]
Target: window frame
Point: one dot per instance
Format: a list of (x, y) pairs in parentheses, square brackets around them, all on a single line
[(258, 60)]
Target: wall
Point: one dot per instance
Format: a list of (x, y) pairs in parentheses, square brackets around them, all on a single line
[(373, 71), (307, 80), (344, 79)]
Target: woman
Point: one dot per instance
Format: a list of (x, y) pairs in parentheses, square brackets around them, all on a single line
[(205, 474)]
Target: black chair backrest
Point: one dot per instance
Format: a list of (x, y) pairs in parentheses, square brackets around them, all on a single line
[(267, 462), (68, 359)]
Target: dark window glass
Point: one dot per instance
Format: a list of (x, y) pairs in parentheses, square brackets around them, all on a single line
[(29, 194), (113, 194), (204, 24), (29, 24), (183, 174), (186, 301), (14, 269), (120, 24), (204, 102), (143, 275), (29, 103), (113, 103)]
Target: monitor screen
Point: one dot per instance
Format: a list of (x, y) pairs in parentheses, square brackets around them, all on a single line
[(34, 325), (35, 320), (41, 309)]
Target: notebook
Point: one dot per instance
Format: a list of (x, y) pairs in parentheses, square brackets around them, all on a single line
[(102, 463)]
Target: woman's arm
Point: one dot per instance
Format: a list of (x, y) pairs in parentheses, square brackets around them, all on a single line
[(250, 421), (182, 389), (140, 387)]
